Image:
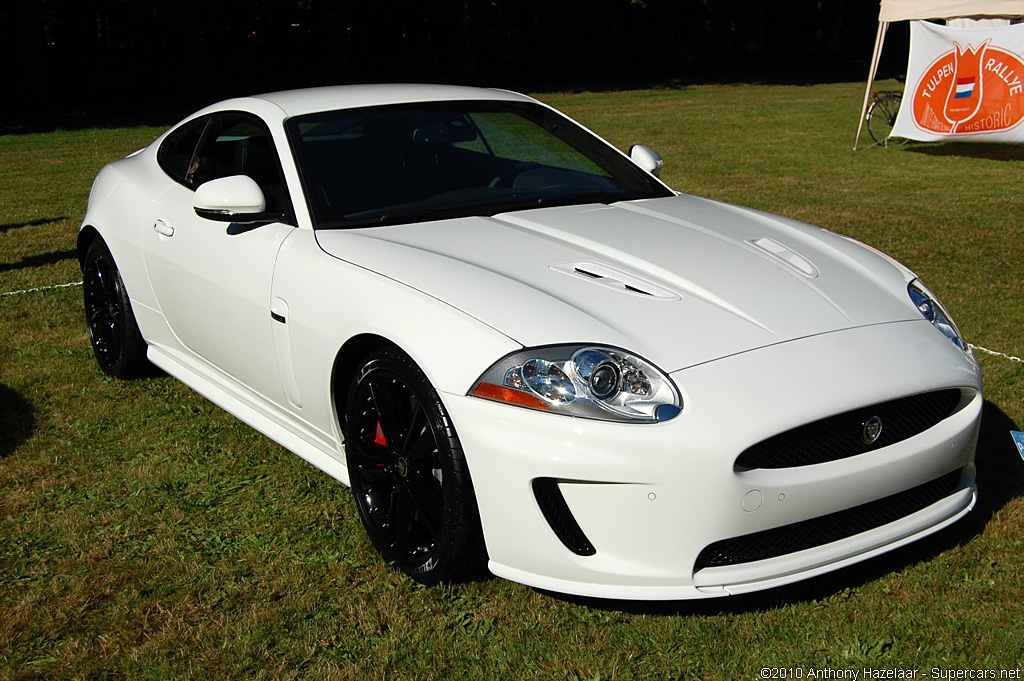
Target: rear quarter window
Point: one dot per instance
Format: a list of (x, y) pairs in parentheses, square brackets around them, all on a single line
[(177, 149)]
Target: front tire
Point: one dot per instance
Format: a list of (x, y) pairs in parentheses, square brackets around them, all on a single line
[(116, 340), (408, 474)]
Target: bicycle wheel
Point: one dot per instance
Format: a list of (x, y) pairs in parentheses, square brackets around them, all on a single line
[(882, 118)]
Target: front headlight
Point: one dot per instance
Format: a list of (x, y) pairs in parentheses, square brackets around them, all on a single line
[(932, 310), (582, 380)]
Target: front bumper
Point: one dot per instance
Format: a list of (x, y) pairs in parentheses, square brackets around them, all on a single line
[(650, 497)]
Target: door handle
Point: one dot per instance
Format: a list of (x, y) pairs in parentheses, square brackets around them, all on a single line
[(162, 227)]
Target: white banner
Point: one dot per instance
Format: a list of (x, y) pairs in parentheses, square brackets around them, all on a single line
[(963, 84)]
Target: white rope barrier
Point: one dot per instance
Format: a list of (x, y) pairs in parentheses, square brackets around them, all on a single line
[(41, 288), (994, 353), (978, 348)]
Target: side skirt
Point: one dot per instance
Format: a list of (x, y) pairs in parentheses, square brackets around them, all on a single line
[(318, 454)]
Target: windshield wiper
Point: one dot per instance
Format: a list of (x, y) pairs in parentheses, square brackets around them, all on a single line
[(509, 206), (484, 209), (397, 218)]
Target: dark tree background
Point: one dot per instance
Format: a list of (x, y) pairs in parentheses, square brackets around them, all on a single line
[(87, 62)]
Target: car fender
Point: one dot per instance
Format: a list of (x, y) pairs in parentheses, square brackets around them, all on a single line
[(330, 301), (124, 189)]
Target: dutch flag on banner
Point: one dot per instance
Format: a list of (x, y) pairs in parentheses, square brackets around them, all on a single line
[(964, 87)]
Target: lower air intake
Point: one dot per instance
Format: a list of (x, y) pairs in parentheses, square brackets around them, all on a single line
[(826, 529)]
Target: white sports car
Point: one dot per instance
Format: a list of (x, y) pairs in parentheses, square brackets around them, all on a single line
[(525, 352)]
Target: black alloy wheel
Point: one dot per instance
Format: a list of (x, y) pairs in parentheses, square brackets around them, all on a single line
[(408, 474), (116, 341)]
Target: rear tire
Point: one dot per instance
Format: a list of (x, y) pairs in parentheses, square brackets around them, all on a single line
[(116, 340), (882, 118), (408, 474)]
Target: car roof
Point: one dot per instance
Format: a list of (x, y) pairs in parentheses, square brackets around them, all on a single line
[(310, 100)]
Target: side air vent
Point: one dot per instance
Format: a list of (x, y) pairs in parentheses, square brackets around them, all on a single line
[(616, 279), (556, 512)]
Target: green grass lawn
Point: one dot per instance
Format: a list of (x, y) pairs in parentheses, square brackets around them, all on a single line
[(145, 533)]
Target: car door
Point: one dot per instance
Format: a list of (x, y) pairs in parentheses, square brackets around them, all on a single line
[(213, 279)]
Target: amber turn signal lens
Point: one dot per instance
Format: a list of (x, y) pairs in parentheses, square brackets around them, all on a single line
[(500, 393)]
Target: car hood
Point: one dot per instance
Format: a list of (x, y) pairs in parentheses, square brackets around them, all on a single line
[(680, 281)]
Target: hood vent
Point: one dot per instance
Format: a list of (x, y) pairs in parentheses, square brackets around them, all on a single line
[(785, 255), (615, 279)]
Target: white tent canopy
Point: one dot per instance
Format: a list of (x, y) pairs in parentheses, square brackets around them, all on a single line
[(902, 10)]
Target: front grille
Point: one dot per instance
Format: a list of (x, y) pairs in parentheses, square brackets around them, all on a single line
[(839, 437), (826, 529)]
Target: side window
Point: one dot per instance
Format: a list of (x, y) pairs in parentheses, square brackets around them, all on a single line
[(177, 150), (239, 144)]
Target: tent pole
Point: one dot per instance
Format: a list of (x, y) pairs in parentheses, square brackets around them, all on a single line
[(883, 26)]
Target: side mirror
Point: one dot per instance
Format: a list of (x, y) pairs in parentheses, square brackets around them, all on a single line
[(232, 199), (646, 158)]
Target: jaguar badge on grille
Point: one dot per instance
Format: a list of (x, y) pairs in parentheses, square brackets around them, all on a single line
[(871, 431)]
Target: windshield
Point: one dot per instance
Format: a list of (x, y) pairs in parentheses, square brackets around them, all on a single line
[(435, 160)]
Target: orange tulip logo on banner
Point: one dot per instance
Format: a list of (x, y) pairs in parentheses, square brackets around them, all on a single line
[(974, 88)]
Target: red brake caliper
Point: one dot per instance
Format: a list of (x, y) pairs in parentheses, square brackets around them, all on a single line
[(379, 437)]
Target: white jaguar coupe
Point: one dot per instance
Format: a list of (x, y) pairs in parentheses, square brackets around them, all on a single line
[(525, 353)]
